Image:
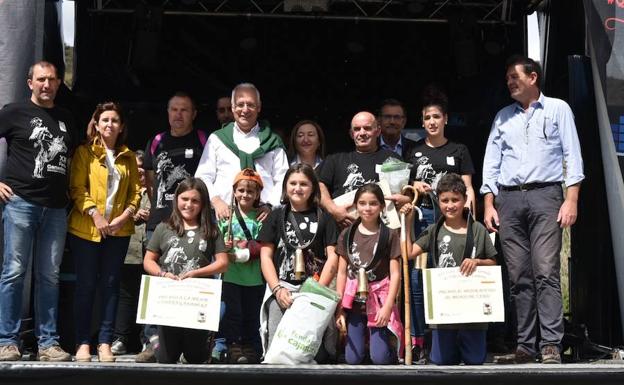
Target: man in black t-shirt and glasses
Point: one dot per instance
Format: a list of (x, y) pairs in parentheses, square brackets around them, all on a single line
[(347, 171), (39, 135)]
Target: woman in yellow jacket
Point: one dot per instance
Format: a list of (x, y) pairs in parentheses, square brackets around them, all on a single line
[(104, 187)]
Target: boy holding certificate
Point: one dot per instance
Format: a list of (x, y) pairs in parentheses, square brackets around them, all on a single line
[(455, 241)]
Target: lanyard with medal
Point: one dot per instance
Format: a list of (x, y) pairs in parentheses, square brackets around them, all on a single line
[(301, 245)]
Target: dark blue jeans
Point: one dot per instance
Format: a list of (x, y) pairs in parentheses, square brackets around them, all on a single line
[(379, 342), (452, 346), (98, 266), (241, 322)]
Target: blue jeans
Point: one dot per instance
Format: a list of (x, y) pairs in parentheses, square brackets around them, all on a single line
[(98, 266), (417, 302), (452, 346), (380, 349), (33, 234)]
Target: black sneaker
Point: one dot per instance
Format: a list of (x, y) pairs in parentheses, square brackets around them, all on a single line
[(250, 354), (419, 355), (118, 348), (236, 355)]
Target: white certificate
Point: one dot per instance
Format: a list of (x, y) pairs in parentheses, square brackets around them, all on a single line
[(452, 298), (191, 303)]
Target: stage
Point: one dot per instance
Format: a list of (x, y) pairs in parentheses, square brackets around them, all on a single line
[(127, 372)]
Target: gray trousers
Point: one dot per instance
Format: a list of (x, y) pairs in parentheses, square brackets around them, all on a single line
[(531, 243)]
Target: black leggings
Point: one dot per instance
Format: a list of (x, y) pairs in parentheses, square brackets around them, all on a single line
[(173, 341)]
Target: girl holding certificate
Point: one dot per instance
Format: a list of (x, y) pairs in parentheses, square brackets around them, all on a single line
[(298, 242), (455, 241), (368, 278), (187, 245)]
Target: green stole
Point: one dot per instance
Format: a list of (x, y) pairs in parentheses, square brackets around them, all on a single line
[(269, 141)]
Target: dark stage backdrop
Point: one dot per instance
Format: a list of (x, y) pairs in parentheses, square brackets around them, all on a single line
[(314, 69)]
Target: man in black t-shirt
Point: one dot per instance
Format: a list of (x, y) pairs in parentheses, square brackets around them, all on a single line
[(40, 139), (170, 156), (347, 171)]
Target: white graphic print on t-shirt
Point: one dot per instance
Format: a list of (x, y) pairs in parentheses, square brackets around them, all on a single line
[(357, 261), (168, 175), (287, 268), (49, 147), (355, 179), (426, 173), (176, 260), (445, 252)]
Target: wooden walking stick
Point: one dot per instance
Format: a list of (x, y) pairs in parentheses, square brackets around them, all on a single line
[(406, 279), (232, 208)]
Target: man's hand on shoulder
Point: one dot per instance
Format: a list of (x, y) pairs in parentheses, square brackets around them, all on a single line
[(222, 210), (342, 216)]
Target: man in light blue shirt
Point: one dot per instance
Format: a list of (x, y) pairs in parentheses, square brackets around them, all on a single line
[(523, 170)]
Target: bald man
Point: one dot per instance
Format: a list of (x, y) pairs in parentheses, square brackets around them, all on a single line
[(346, 171)]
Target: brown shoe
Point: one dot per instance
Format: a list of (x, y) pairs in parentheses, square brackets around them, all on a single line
[(519, 357), (146, 356), (10, 353), (550, 355), (105, 354), (83, 353), (53, 353)]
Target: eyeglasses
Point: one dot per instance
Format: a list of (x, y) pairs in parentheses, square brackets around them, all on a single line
[(241, 105), (392, 117)]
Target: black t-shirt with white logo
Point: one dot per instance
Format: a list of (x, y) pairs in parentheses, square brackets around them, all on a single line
[(347, 171), (40, 144), (430, 164), (173, 159), (321, 232)]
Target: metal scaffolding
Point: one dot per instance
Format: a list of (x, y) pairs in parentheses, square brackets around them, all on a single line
[(411, 11)]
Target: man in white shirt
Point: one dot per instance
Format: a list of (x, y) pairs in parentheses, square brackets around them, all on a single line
[(240, 144)]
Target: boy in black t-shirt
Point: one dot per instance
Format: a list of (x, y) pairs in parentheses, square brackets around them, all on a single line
[(455, 241)]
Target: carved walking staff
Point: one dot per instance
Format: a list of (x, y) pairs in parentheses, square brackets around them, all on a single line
[(406, 278)]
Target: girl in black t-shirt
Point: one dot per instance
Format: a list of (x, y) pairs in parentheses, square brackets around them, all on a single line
[(369, 253), (298, 242), (188, 245)]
